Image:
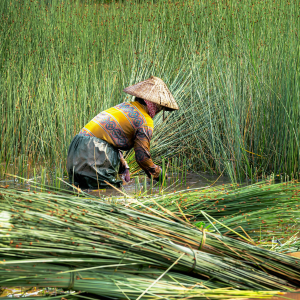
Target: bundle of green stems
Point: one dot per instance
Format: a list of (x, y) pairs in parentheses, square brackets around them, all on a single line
[(261, 210), (81, 243)]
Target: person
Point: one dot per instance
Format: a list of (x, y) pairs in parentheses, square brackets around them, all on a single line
[(95, 153)]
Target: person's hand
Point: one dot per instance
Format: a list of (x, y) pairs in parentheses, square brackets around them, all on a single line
[(160, 176), (126, 175)]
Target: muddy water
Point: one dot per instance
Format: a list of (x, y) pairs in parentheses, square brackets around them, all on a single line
[(135, 186), (173, 183)]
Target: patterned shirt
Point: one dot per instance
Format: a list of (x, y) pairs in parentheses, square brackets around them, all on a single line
[(126, 126)]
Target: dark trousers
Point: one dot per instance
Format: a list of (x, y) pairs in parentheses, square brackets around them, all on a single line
[(91, 161)]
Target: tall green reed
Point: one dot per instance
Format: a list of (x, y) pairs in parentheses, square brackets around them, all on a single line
[(232, 68)]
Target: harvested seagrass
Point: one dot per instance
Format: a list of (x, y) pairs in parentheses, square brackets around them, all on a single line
[(261, 210), (83, 234)]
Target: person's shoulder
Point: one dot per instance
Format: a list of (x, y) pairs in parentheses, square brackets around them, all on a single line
[(140, 109), (149, 122)]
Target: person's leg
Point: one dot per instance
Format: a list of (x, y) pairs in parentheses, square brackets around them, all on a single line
[(91, 162), (71, 159), (105, 162)]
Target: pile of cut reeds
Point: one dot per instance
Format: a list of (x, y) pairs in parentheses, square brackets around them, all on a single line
[(261, 210), (82, 244)]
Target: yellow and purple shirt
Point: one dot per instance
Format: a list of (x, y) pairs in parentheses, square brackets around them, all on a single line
[(126, 126)]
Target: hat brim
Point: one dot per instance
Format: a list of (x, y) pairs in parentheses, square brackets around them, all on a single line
[(153, 90)]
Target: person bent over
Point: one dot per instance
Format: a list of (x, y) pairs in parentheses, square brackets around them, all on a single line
[(95, 153)]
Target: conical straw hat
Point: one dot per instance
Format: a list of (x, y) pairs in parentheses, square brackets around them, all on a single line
[(153, 90)]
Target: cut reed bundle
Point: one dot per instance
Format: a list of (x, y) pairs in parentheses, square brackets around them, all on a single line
[(262, 209), (81, 233), (124, 283)]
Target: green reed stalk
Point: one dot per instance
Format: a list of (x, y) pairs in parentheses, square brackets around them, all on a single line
[(182, 171), (151, 185), (137, 185), (145, 184), (43, 179), (185, 171), (163, 166), (173, 169), (273, 207)]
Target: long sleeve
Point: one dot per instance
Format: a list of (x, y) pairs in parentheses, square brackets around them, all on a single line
[(142, 151)]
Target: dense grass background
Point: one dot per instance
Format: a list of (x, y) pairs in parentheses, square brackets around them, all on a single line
[(233, 66)]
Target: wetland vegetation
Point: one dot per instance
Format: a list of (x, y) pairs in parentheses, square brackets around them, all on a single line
[(233, 67)]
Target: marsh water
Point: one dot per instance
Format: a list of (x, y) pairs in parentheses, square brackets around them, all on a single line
[(138, 185), (141, 185)]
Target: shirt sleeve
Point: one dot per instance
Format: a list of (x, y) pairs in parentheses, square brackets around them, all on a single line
[(142, 152)]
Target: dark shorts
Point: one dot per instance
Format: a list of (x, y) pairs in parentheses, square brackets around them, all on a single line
[(91, 161)]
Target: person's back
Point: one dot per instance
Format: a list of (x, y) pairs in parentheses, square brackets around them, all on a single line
[(126, 126), (120, 124)]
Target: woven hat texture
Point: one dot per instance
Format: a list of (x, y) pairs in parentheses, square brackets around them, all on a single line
[(154, 90)]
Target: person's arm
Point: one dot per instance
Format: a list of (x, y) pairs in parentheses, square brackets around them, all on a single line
[(142, 152)]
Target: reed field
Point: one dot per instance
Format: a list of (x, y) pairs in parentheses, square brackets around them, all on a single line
[(233, 67)]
